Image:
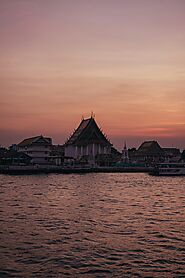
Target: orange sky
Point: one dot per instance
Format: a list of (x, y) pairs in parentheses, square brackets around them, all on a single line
[(122, 59)]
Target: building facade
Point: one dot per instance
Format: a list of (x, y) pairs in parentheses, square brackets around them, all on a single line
[(57, 155), (38, 148)]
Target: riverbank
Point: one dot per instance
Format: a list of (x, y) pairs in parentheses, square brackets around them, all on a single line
[(29, 170)]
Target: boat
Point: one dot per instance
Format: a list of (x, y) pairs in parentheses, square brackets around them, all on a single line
[(168, 169)]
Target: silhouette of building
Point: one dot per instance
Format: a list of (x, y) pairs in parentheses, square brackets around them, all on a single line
[(182, 159), (125, 156), (87, 142), (38, 148), (12, 157), (57, 154), (172, 154), (149, 153)]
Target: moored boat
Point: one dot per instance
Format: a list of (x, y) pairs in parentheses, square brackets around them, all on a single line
[(169, 169)]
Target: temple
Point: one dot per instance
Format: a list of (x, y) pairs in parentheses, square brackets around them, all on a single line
[(87, 142)]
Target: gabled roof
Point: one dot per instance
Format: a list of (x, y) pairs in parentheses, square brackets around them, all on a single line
[(32, 140), (150, 147), (87, 131)]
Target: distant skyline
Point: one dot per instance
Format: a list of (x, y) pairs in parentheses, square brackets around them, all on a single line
[(122, 59)]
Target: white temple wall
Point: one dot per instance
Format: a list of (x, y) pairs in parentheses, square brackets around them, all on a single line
[(87, 150), (70, 151)]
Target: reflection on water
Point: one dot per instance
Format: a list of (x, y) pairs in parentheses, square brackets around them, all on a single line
[(93, 225)]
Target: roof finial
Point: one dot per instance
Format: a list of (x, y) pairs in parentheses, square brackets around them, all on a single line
[(82, 117), (92, 114)]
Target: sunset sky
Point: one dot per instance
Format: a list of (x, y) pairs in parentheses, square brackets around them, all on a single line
[(122, 59)]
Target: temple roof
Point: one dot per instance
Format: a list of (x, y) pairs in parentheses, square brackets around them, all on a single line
[(32, 140), (150, 147), (88, 131), (78, 131)]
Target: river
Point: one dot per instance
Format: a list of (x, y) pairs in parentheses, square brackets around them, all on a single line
[(92, 225)]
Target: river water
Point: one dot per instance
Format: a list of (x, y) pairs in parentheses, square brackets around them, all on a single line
[(92, 225)]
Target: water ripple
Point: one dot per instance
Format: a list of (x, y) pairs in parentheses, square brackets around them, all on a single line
[(94, 225)]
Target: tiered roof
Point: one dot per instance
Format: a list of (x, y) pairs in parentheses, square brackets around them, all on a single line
[(76, 134), (87, 132)]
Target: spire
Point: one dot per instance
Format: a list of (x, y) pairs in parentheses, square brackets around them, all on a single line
[(125, 156), (125, 145)]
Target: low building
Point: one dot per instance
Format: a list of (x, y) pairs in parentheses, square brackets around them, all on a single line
[(149, 153), (172, 154), (38, 148), (87, 143), (108, 159), (182, 159), (12, 157), (57, 155)]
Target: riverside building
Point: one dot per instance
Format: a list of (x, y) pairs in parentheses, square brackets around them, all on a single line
[(87, 143), (38, 148)]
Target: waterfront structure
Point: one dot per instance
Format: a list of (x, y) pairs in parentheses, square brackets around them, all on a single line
[(182, 159), (38, 148), (169, 169), (12, 157), (57, 155), (172, 154), (149, 152), (87, 143)]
